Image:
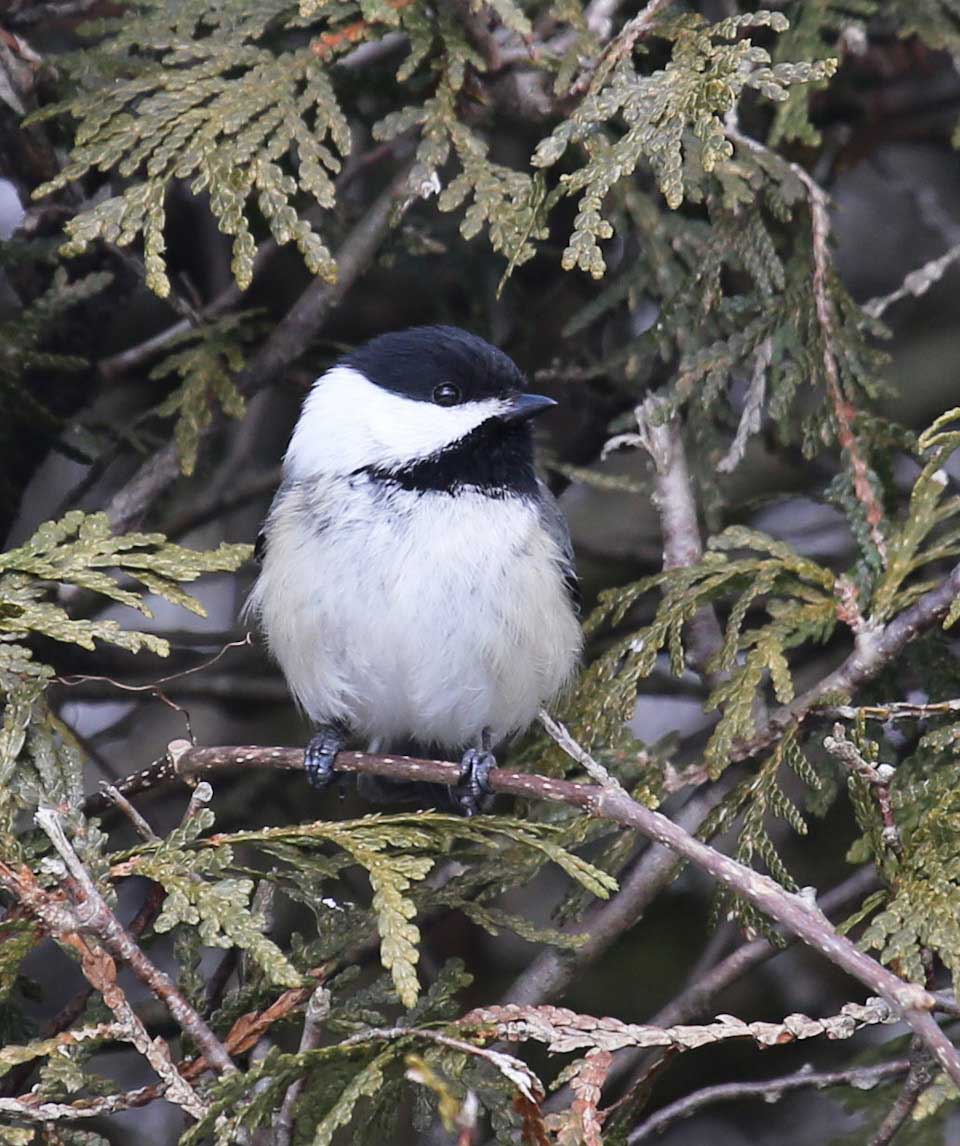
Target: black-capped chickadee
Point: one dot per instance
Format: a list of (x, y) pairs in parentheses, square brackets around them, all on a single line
[(417, 577)]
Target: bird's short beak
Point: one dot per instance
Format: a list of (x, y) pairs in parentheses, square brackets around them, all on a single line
[(525, 406)]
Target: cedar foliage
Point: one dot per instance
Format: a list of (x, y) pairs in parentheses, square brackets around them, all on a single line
[(667, 156)]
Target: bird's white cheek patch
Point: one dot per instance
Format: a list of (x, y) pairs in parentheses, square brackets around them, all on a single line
[(348, 422)]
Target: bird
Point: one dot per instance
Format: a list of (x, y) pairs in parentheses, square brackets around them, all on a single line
[(417, 580)]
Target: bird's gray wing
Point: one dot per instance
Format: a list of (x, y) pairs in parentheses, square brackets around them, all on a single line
[(554, 522), (260, 548)]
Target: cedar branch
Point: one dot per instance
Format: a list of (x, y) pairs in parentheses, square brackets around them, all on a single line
[(795, 913)]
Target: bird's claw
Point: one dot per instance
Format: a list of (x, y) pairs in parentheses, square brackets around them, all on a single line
[(472, 793), (320, 756)]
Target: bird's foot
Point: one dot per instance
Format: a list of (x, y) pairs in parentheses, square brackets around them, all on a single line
[(472, 793), (320, 756)]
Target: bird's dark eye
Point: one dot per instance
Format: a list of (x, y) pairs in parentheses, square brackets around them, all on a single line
[(447, 394)]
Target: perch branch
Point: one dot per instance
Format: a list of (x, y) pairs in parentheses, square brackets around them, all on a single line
[(795, 913)]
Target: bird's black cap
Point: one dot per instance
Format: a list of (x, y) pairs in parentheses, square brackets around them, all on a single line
[(415, 362)]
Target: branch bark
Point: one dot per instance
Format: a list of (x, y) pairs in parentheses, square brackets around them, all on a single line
[(844, 412), (60, 920)]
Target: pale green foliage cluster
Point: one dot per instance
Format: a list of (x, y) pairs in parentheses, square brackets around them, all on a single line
[(684, 104), (207, 360), (217, 109), (79, 553), (203, 100)]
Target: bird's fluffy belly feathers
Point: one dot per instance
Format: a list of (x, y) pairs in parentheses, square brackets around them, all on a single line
[(466, 625)]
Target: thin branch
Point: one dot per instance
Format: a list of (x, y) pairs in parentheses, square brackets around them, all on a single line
[(673, 498), (843, 410), (895, 710), (562, 1030), (143, 828), (921, 1075), (150, 908), (61, 921), (916, 283), (26, 1111), (288, 340), (96, 918), (878, 776), (560, 735), (875, 647), (770, 1090), (317, 1010), (554, 970), (795, 913), (705, 985)]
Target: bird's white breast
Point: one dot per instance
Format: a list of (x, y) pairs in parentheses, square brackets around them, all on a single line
[(415, 614)]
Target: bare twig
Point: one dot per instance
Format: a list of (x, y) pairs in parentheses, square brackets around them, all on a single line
[(895, 710), (288, 340), (142, 827), (770, 1090), (560, 735), (795, 913), (916, 283), (878, 776)]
